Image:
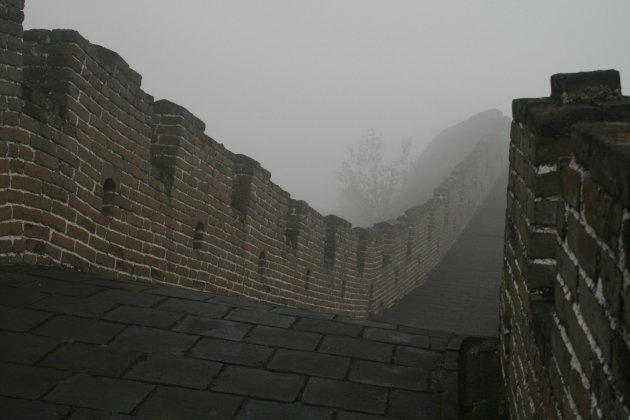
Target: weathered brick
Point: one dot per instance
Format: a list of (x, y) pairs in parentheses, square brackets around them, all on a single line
[(309, 363), (356, 348), (353, 396), (169, 402), (268, 410), (90, 359), (571, 186), (17, 408), (261, 318), (279, 337), (602, 214), (396, 337), (102, 393), (259, 383), (327, 327), (213, 328), (175, 370), (152, 340), (388, 375), (20, 319)]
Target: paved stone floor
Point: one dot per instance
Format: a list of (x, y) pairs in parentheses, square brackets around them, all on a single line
[(462, 293), (77, 346)]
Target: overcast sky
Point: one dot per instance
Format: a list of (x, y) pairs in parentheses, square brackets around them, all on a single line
[(293, 83)]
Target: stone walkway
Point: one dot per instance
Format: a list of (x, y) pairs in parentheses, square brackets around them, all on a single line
[(462, 293), (77, 346)]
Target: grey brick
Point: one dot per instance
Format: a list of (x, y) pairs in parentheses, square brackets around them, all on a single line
[(444, 381), (261, 318), (142, 316), (151, 340), (412, 356), (17, 297), (127, 297), (95, 360), (414, 405), (213, 328), (24, 348), (267, 410), (302, 313), (309, 363), (188, 404), (59, 273), (73, 306), (109, 283), (450, 361), (206, 310), (279, 337), (20, 319), (259, 383), (13, 279), (396, 337), (393, 376), (26, 381), (102, 393), (79, 329), (59, 287), (231, 352), (16, 409), (439, 343), (455, 343), (179, 292), (343, 394), (240, 302), (327, 327), (449, 398), (349, 415), (425, 331), (364, 322), (88, 414), (355, 347), (175, 370)]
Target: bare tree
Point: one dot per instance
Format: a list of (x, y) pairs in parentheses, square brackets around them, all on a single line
[(368, 182)]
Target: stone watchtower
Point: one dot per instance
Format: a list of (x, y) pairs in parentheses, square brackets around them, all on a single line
[(565, 297)]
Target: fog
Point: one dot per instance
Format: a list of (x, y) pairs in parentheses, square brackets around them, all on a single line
[(294, 83)]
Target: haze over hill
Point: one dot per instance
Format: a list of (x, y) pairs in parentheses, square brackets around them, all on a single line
[(292, 84), (428, 169), (444, 152)]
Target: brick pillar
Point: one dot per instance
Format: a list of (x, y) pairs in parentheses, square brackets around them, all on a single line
[(11, 35), (12, 137), (536, 365)]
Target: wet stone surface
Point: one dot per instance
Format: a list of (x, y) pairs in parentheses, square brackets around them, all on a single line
[(79, 346)]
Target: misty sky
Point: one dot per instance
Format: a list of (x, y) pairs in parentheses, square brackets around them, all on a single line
[(293, 83)]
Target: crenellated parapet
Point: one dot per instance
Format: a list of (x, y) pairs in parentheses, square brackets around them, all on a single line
[(98, 176), (565, 313)]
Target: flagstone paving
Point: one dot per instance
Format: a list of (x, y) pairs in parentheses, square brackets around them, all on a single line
[(80, 346)]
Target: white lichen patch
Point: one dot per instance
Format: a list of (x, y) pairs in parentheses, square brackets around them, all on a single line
[(546, 169)]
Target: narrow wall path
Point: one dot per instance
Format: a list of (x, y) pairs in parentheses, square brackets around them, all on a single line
[(462, 294)]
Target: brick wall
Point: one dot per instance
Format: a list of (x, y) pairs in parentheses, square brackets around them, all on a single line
[(98, 176), (565, 298)]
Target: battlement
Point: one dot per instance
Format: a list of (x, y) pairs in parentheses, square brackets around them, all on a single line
[(565, 315), (97, 175)]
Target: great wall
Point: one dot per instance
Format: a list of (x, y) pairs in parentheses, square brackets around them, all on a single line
[(565, 310), (97, 176), (100, 177)]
